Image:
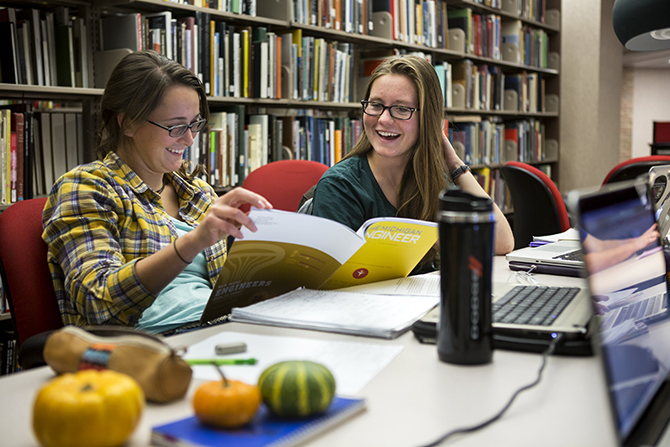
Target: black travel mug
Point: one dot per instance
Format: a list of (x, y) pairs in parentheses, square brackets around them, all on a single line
[(466, 223)]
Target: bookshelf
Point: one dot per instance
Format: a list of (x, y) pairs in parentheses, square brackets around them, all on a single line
[(366, 30), (298, 103)]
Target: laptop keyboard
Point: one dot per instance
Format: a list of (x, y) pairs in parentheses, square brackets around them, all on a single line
[(572, 256), (535, 305), (636, 311)]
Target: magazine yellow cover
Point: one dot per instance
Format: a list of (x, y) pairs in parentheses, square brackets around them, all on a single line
[(393, 247), (292, 250)]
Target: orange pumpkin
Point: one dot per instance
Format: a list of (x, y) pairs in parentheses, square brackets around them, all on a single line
[(226, 403), (88, 409)]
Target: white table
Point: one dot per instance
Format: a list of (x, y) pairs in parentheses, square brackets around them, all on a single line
[(412, 401)]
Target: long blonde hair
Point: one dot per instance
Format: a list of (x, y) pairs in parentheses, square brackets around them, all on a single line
[(424, 177)]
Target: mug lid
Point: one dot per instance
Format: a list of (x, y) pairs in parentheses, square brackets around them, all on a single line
[(459, 200)]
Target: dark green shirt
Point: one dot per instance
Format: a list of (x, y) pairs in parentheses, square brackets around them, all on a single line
[(349, 193)]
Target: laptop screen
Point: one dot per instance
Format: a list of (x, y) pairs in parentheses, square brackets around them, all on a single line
[(660, 197), (627, 277)]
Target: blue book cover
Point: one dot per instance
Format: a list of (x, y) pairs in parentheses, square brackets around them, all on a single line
[(264, 430)]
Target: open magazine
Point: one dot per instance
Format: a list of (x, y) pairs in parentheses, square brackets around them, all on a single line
[(292, 250)]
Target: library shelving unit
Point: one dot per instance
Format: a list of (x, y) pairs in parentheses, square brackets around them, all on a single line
[(511, 89), (498, 60)]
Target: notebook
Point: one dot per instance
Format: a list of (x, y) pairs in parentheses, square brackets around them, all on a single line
[(264, 430), (630, 299)]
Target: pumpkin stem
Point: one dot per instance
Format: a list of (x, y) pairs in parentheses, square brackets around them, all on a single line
[(225, 381), (87, 387)]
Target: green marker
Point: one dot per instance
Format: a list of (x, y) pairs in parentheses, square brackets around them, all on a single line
[(249, 361)]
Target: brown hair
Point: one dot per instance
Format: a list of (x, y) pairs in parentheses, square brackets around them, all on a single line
[(134, 90), (424, 177)]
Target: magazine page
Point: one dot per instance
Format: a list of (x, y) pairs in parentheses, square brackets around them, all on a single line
[(393, 247), (288, 251)]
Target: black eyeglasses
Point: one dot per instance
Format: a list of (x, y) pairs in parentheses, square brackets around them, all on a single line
[(397, 112), (180, 129)]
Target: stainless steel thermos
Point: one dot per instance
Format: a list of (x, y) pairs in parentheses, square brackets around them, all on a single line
[(466, 223)]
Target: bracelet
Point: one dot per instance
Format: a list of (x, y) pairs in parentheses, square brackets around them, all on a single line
[(174, 244), (458, 172)]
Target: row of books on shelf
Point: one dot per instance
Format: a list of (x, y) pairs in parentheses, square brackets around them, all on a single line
[(487, 35), (247, 7), (8, 345), (342, 15), (485, 87), (44, 47), (238, 61), (319, 70), (38, 145), (492, 182), (491, 141), (468, 85), (529, 139), (430, 22), (4, 305), (47, 143), (236, 144), (525, 44), (9, 352), (482, 33), (234, 6), (535, 10)]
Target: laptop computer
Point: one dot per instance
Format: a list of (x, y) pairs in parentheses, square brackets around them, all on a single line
[(533, 335), (622, 211), (659, 179), (563, 257), (635, 353)]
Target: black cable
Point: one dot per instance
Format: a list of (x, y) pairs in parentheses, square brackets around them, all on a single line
[(545, 354)]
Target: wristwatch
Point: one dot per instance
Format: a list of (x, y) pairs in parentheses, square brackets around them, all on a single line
[(458, 172)]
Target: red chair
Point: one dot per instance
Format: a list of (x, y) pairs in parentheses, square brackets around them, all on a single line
[(539, 208), (284, 182), (26, 278), (630, 169)]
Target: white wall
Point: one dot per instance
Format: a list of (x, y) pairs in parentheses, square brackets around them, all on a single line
[(591, 81), (651, 102)]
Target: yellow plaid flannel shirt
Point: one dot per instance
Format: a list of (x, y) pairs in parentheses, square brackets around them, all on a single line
[(99, 220)]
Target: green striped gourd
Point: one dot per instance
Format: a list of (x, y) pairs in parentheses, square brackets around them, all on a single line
[(297, 388)]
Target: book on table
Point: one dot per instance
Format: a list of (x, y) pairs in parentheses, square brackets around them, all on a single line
[(292, 250), (264, 429)]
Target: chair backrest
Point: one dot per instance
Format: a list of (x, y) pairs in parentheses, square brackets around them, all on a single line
[(284, 182), (630, 169), (25, 273), (539, 208)]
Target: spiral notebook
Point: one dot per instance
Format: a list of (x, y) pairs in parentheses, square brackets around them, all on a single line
[(265, 430)]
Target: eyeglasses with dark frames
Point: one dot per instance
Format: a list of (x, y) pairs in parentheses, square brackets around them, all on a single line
[(398, 112), (180, 129)]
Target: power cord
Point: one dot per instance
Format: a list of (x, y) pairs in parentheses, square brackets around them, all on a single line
[(550, 349)]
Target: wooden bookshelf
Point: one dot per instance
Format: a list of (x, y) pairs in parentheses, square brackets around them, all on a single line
[(276, 17)]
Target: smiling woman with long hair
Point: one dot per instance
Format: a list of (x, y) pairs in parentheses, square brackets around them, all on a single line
[(133, 238), (403, 160)]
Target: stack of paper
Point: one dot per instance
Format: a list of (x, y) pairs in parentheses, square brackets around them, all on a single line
[(385, 316)]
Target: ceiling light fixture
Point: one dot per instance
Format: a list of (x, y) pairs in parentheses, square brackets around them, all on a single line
[(642, 25)]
